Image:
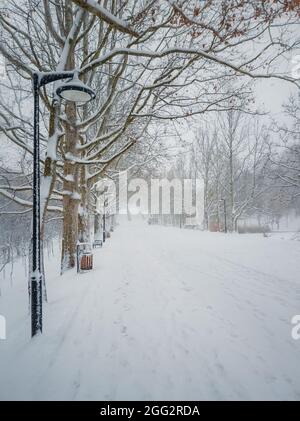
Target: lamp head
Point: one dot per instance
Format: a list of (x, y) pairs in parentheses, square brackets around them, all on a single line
[(76, 91)]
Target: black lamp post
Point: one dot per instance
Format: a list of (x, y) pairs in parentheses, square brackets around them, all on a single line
[(104, 228), (76, 91), (104, 218), (225, 216)]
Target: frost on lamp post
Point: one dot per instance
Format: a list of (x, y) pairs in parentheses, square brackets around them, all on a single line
[(72, 90)]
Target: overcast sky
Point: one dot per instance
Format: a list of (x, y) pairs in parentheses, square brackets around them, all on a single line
[(272, 93)]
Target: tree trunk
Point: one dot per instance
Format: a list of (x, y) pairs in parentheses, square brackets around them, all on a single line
[(98, 226), (83, 214), (71, 197), (231, 189)]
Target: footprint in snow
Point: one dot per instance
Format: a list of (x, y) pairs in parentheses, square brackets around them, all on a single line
[(124, 330)]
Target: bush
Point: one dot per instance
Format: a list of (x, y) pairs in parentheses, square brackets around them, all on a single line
[(254, 229)]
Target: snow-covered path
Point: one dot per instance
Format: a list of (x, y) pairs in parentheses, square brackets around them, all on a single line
[(165, 314)]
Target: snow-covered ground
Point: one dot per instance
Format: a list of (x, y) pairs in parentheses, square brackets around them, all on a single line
[(165, 314)]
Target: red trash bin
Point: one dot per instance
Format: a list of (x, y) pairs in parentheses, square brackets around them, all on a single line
[(86, 261), (84, 257)]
